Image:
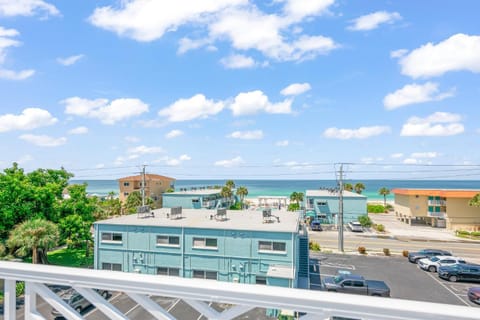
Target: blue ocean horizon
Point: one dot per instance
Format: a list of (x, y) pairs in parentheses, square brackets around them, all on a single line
[(286, 187)]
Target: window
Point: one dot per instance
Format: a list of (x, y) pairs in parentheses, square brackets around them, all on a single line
[(202, 274), (358, 283), (173, 241), (260, 280), (165, 271), (271, 246), (347, 283), (111, 237), (111, 266), (125, 194), (126, 184), (321, 203), (205, 243)]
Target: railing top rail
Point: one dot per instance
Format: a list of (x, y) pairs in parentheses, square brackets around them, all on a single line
[(309, 301)]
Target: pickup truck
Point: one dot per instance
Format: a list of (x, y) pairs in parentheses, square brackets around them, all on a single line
[(356, 284)]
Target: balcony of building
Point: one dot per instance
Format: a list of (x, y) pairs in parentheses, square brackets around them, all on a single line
[(441, 203), (212, 299)]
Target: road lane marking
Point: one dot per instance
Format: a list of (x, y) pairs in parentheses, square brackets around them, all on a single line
[(449, 290)]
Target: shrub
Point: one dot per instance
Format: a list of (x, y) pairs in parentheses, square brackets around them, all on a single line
[(386, 251), (20, 288), (362, 250), (365, 221), (2, 250), (293, 207), (475, 233), (405, 253), (375, 208), (380, 227), (463, 233), (314, 246), (236, 206), (388, 207)]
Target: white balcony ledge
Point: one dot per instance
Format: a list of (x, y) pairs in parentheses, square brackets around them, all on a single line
[(195, 292)]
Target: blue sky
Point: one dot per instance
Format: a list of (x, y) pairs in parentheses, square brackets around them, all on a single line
[(279, 89)]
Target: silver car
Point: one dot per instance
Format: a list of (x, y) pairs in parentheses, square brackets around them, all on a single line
[(355, 226)]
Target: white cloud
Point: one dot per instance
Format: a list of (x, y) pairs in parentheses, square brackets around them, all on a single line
[(189, 109), (253, 102), (296, 89), (173, 162), (148, 20), (30, 118), (43, 140), (360, 133), (282, 143), (415, 93), (173, 134), (237, 61), (68, 61), (373, 20), (108, 112), (229, 163), (398, 53), (131, 139), (185, 157), (411, 161), (437, 124), (16, 75), (140, 150), (460, 52), (78, 130), (6, 41), (24, 159), (247, 135), (396, 155), (428, 155), (10, 8)]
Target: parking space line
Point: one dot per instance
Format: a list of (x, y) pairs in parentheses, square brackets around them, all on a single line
[(173, 305), (449, 290), (95, 309)]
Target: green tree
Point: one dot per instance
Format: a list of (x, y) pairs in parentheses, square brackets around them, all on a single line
[(230, 184), (475, 201), (348, 187), (384, 192), (33, 236), (242, 192), (296, 197), (227, 194), (75, 231), (134, 200), (110, 206), (359, 187), (79, 203)]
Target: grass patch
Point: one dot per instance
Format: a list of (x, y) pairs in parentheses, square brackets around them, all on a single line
[(70, 258), (474, 235)]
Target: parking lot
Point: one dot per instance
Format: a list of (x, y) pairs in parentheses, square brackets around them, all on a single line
[(405, 279)]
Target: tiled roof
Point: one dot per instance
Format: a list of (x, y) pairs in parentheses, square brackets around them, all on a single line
[(148, 176)]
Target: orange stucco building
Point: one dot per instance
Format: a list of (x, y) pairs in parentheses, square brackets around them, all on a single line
[(155, 185)]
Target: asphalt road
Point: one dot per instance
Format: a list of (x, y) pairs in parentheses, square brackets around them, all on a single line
[(329, 240)]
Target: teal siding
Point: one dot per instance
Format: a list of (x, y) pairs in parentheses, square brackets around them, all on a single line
[(353, 207), (236, 257)]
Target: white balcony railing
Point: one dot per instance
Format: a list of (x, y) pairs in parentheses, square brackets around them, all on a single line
[(435, 214), (199, 293), (437, 203)]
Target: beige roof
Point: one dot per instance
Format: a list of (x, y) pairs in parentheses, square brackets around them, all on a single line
[(148, 176), (205, 219)]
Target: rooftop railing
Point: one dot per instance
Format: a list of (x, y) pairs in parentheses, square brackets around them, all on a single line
[(200, 293)]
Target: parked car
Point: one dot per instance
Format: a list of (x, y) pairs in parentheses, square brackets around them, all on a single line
[(426, 253), (316, 226), (433, 263), (474, 294), (352, 283), (460, 272), (77, 301), (355, 226)]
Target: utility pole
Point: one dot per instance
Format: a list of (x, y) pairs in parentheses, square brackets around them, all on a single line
[(143, 186), (340, 210)]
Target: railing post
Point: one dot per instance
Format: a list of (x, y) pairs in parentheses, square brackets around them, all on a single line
[(10, 300), (30, 302)]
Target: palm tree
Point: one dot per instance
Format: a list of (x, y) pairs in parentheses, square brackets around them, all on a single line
[(475, 201), (33, 235), (348, 187), (226, 193), (359, 187), (242, 192), (384, 192), (297, 197), (230, 184)]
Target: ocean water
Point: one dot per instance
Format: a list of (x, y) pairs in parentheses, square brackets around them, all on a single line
[(286, 187)]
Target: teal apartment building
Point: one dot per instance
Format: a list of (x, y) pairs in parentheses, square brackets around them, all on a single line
[(323, 205), (254, 247), (198, 198)]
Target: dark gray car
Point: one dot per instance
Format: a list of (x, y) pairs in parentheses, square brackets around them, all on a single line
[(352, 283), (413, 257)]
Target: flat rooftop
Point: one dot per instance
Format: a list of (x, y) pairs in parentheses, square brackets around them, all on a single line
[(452, 193), (328, 193), (201, 218), (196, 192)]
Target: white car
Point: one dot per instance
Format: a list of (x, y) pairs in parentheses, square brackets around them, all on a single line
[(355, 226), (433, 263)]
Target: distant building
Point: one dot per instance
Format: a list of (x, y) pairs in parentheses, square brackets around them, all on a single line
[(323, 205), (195, 198), (155, 185), (235, 246), (442, 208)]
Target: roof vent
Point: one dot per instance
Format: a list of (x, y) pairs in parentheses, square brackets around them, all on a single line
[(175, 213), (144, 212), (221, 214)]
